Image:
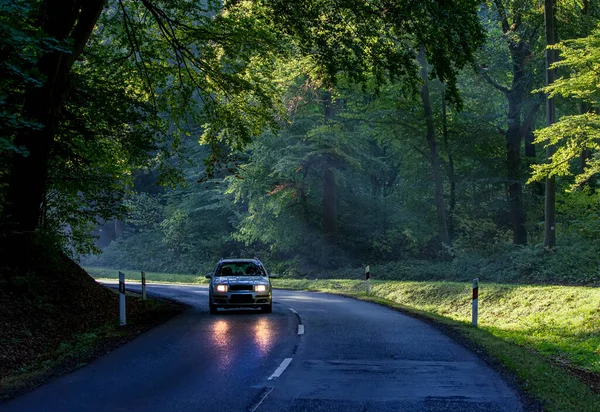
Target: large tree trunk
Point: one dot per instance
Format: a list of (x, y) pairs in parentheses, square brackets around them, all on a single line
[(329, 204), (585, 153), (550, 199), (386, 190), (119, 224), (514, 138), (585, 107), (434, 155), (329, 189), (451, 171), (529, 145), (62, 20), (518, 123)]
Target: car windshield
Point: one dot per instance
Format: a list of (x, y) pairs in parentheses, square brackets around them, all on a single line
[(240, 269)]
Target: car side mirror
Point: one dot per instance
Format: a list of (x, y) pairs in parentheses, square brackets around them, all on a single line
[(208, 276), (273, 276)]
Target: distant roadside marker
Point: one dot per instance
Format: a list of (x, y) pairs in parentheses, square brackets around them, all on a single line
[(367, 278), (143, 285), (122, 298), (475, 301)]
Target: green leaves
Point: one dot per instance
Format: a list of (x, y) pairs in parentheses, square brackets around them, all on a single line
[(571, 136), (580, 58), (574, 134), (156, 72), (201, 63), (379, 38), (20, 42), (145, 211)]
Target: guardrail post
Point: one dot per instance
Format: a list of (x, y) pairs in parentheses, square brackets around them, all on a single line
[(143, 285), (122, 298), (475, 302), (367, 278)]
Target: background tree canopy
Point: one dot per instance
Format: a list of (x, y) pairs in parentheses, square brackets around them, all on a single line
[(314, 134)]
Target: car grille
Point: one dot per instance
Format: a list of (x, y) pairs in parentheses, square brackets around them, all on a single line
[(241, 299), (241, 287)]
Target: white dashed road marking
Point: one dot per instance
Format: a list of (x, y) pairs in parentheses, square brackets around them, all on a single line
[(300, 329), (280, 369)]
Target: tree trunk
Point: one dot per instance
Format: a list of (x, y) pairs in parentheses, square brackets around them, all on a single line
[(585, 153), (329, 196), (387, 189), (529, 145), (329, 204), (118, 229), (518, 125), (585, 107), (513, 158), (451, 171), (62, 20), (304, 199), (550, 200), (434, 155)]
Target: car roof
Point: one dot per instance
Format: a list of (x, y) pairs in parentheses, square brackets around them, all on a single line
[(240, 260)]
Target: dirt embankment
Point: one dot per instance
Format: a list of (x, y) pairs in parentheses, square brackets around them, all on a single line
[(54, 317)]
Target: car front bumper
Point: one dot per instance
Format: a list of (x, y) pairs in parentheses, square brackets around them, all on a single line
[(240, 299)]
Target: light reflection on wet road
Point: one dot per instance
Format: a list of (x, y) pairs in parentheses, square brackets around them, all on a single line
[(263, 336), (222, 343), (195, 362)]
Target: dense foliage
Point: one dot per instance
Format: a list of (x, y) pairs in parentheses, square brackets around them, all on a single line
[(332, 135), (575, 135)]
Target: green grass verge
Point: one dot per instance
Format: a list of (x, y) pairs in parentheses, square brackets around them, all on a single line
[(534, 331), (135, 275)]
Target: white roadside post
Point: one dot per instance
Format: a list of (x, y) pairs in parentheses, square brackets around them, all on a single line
[(143, 285), (367, 277), (475, 301), (122, 298)]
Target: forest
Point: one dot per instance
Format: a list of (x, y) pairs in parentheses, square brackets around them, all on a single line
[(433, 141), (429, 140)]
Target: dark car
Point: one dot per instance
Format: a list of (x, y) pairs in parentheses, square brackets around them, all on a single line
[(240, 283)]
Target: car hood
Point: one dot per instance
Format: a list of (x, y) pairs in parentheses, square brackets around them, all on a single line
[(241, 280)]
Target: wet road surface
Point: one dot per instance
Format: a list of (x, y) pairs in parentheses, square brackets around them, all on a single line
[(315, 352)]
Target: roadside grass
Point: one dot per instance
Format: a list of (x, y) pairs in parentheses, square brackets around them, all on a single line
[(536, 332), (136, 275)]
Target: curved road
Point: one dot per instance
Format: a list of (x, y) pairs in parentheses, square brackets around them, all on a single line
[(315, 352)]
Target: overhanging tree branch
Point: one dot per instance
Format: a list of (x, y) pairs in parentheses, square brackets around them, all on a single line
[(86, 21), (503, 17), (491, 81), (134, 44)]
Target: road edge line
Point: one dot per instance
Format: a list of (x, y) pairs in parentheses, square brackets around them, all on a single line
[(262, 399)]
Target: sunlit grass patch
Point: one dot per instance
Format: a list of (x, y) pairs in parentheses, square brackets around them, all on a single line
[(535, 331), (559, 321)]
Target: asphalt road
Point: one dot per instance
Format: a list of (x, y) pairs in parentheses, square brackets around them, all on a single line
[(315, 352)]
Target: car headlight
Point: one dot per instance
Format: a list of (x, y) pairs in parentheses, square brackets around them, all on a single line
[(221, 288), (260, 288)]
